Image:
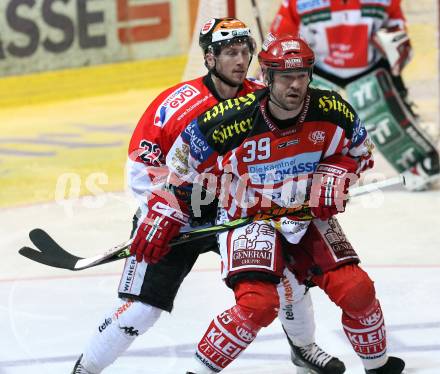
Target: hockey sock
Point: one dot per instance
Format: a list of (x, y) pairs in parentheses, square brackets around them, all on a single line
[(227, 336), (367, 335), (296, 311), (231, 332), (116, 332)]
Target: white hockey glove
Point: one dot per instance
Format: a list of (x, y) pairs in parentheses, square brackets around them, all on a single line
[(395, 46)]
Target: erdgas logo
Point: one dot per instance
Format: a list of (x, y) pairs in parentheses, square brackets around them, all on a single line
[(327, 103), (236, 103), (225, 132)]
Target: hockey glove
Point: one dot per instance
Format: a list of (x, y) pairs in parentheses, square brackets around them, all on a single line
[(329, 192), (395, 46), (162, 223)]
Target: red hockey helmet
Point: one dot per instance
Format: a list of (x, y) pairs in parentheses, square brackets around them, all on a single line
[(286, 52)]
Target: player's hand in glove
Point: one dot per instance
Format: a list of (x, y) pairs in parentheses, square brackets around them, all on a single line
[(162, 223), (395, 46), (329, 192)]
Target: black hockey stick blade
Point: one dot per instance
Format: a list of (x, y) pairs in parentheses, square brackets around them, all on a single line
[(49, 253)]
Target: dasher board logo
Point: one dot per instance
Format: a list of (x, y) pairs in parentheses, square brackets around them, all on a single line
[(173, 103)]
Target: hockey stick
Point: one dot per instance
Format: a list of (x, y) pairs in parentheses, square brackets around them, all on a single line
[(50, 253), (258, 19)]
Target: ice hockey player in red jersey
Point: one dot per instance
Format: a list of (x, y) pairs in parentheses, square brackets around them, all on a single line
[(285, 146), (149, 287), (362, 47)]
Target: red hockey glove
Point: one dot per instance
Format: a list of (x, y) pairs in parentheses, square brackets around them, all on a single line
[(329, 192), (162, 223)]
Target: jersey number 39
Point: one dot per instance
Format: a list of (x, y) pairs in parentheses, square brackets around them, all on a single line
[(257, 150)]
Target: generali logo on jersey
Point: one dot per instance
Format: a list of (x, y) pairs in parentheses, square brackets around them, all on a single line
[(317, 137), (254, 247), (173, 103)]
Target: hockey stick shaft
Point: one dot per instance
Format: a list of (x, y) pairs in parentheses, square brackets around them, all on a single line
[(376, 186), (258, 19), (52, 254)]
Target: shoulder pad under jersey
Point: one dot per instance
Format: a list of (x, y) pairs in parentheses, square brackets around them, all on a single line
[(330, 106), (228, 122), (175, 99)]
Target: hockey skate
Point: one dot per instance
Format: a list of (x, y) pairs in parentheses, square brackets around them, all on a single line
[(394, 365), (78, 368), (311, 359)]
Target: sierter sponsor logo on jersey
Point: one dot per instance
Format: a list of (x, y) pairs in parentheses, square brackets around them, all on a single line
[(327, 103), (225, 132), (317, 137), (237, 104), (173, 103)]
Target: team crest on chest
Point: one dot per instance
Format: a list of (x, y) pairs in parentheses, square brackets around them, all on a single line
[(317, 136)]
